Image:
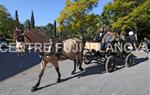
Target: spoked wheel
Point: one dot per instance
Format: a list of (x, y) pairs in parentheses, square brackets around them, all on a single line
[(129, 61), (87, 57), (110, 65)]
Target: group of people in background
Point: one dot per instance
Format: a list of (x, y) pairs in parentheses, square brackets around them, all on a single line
[(106, 36)]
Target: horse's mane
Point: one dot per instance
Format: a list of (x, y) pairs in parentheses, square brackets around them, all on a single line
[(38, 34)]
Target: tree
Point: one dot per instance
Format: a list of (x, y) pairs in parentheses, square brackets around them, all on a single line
[(118, 9), (76, 16), (27, 24), (139, 15), (54, 28), (128, 14), (17, 19), (137, 20), (32, 21), (6, 22), (50, 30)]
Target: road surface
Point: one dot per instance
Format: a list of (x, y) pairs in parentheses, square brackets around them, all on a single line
[(92, 81)]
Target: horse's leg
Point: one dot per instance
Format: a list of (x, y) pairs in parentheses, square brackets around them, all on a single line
[(43, 66), (80, 65), (75, 64), (57, 70), (80, 60)]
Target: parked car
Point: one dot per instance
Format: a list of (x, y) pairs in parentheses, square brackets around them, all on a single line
[(3, 43)]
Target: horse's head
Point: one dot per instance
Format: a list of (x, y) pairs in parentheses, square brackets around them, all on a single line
[(19, 38)]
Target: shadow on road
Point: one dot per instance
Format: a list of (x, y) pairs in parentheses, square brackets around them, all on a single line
[(140, 60), (91, 70), (12, 64)]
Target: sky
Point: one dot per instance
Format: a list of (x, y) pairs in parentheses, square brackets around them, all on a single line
[(45, 11)]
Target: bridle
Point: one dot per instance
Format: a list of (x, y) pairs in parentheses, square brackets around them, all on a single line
[(21, 37)]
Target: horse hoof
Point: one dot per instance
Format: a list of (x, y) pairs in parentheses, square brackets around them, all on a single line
[(58, 80), (73, 72), (33, 89), (81, 69), (147, 58)]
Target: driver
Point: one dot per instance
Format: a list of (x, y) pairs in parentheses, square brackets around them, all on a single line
[(100, 35)]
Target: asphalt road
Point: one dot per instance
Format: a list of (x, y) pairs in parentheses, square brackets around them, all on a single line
[(92, 81)]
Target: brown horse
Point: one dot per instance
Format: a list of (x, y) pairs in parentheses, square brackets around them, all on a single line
[(22, 37)]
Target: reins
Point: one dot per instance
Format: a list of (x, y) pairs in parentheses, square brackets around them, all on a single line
[(28, 37)]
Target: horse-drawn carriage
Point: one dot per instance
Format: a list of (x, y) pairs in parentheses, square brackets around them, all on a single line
[(72, 49), (106, 57)]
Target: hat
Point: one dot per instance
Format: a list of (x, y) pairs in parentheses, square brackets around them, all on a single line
[(131, 33)]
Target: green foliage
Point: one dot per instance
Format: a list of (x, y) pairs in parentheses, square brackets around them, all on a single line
[(76, 17), (127, 14), (27, 24), (6, 22), (17, 23), (140, 15), (49, 29), (32, 21), (54, 28)]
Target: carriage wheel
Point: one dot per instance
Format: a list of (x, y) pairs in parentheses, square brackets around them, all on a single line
[(110, 65), (87, 57), (129, 61)]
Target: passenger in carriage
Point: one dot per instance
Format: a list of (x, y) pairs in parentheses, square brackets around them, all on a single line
[(131, 38), (145, 45), (117, 36), (100, 35), (108, 38), (123, 35)]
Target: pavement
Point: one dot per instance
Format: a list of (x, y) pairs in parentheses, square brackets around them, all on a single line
[(19, 74)]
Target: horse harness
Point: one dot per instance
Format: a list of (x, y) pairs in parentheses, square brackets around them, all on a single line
[(53, 51), (53, 42)]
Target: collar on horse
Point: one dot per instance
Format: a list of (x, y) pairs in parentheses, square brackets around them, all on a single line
[(53, 51), (28, 37)]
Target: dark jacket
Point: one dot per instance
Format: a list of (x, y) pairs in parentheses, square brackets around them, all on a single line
[(99, 37)]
